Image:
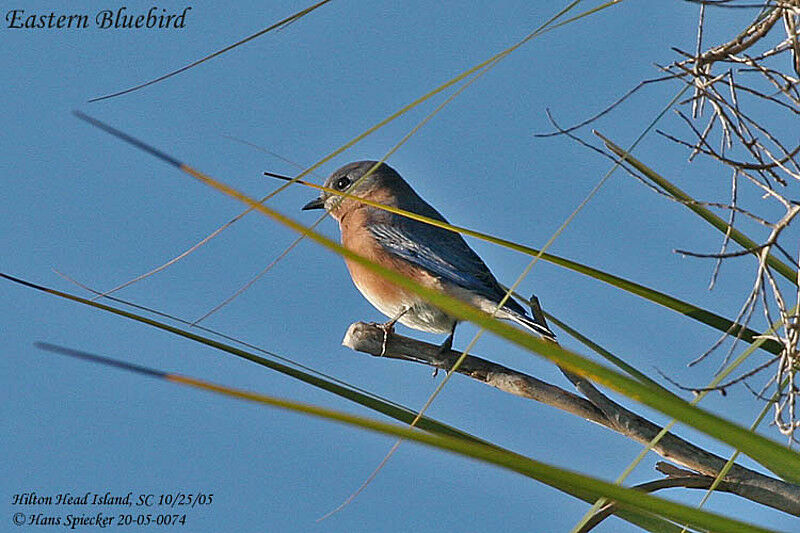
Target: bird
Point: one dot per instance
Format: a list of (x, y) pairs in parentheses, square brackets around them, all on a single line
[(434, 257)]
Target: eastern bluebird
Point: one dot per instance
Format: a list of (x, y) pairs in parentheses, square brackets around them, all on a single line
[(434, 257)]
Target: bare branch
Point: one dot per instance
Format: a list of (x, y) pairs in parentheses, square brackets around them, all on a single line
[(676, 477), (754, 486)]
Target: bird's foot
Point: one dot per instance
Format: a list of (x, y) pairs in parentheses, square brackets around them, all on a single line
[(446, 346), (444, 350), (388, 329)]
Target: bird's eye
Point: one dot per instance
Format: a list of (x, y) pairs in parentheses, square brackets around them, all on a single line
[(342, 183)]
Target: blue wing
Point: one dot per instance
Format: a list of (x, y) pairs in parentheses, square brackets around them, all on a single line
[(410, 247), (444, 254)]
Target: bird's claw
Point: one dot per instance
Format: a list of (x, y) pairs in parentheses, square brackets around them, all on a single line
[(388, 329), (445, 348)]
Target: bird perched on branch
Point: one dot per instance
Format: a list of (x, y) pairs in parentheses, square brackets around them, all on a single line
[(434, 257)]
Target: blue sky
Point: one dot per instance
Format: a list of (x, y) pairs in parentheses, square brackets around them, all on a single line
[(79, 201)]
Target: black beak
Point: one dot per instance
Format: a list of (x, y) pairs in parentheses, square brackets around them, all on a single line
[(316, 203)]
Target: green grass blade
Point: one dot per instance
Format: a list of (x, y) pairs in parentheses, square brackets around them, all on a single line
[(767, 407), (400, 413), (486, 64), (743, 240), (608, 356), (732, 460), (586, 341), (565, 480), (779, 459), (685, 308), (280, 24), (395, 411), (719, 378)]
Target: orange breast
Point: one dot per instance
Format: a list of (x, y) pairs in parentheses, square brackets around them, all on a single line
[(388, 297)]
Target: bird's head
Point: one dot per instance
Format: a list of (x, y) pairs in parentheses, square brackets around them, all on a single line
[(381, 185)]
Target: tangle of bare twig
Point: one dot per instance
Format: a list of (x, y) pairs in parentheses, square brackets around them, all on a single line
[(745, 92)]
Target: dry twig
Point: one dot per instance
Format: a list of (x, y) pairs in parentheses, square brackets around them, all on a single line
[(754, 486)]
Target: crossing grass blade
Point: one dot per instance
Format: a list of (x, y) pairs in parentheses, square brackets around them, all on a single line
[(395, 411), (280, 24), (475, 69), (641, 503), (610, 357), (400, 413), (685, 308), (743, 240), (777, 458)]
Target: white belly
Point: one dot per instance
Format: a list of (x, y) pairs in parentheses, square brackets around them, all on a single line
[(420, 315)]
